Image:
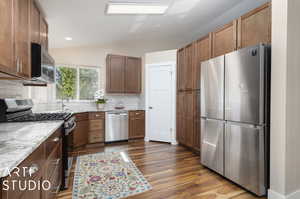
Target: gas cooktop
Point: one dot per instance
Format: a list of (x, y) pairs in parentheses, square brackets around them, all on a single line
[(41, 117)]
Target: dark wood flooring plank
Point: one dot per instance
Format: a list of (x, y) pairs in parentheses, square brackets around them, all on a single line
[(173, 171)]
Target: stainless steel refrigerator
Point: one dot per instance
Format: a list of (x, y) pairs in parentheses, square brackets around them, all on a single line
[(235, 103)]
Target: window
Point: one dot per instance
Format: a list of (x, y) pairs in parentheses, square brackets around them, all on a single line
[(77, 82)]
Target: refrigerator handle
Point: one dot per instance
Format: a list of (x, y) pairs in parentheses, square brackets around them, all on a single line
[(254, 126), (209, 119)]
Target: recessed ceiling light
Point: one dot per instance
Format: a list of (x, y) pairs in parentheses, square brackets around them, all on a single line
[(135, 8), (68, 38)]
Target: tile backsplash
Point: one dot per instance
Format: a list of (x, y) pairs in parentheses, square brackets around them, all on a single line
[(129, 102), (44, 98), (12, 89)]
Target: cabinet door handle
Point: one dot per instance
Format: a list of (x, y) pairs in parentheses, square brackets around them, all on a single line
[(33, 169), (56, 190), (18, 64), (56, 139), (21, 66), (56, 162)]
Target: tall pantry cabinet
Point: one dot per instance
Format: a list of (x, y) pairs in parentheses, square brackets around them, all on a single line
[(250, 29)]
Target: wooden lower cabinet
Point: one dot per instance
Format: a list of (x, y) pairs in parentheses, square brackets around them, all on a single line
[(81, 133), (90, 129), (43, 168), (96, 128), (136, 124), (34, 193), (188, 127)]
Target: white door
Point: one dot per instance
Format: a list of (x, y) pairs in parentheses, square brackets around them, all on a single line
[(160, 102)]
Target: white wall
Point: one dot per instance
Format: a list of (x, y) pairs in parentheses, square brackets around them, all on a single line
[(161, 57), (285, 100), (88, 55)]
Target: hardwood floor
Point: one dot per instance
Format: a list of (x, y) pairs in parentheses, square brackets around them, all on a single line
[(173, 172)]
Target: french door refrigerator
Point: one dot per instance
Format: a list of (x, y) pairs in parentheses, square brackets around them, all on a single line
[(235, 101)]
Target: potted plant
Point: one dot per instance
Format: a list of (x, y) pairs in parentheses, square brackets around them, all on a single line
[(100, 99)]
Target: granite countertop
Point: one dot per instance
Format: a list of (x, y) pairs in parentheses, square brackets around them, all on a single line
[(19, 140)]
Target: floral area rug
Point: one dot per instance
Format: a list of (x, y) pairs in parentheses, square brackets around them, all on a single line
[(107, 176)]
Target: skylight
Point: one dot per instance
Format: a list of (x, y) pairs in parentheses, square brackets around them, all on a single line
[(135, 8)]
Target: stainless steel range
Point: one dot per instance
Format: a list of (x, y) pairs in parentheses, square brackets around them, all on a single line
[(13, 110)]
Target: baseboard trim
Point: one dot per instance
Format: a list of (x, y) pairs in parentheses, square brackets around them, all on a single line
[(274, 195), (196, 151), (174, 142), (295, 195)]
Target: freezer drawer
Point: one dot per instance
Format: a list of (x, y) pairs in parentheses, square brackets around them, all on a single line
[(212, 88), (212, 144), (245, 156), (244, 85)]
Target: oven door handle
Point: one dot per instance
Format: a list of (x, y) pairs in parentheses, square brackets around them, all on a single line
[(69, 130)]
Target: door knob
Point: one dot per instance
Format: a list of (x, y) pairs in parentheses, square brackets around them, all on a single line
[(150, 107)]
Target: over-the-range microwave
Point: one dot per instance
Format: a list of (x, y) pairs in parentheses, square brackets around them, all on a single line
[(42, 64)]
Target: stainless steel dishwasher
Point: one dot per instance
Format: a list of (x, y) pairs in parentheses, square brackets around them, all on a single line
[(116, 126)]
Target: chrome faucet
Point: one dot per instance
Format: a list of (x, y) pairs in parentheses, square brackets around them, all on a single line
[(62, 105)]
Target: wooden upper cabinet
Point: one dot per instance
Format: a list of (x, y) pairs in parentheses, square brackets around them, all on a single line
[(21, 24), (255, 27), (204, 48), (35, 23), (224, 40), (44, 33), (123, 74), (186, 68), (22, 37), (202, 52), (180, 69), (7, 58), (189, 67), (133, 73), (115, 74)]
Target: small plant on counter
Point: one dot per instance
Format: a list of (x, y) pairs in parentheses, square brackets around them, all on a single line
[(100, 99)]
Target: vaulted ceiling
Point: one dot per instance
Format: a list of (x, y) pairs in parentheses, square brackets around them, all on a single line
[(86, 22)]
